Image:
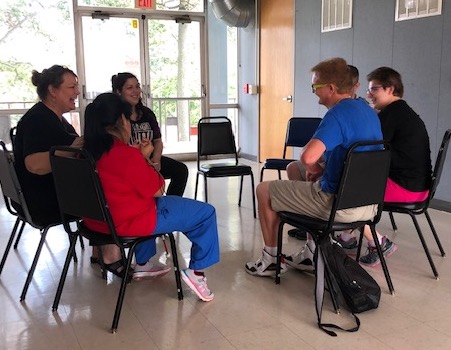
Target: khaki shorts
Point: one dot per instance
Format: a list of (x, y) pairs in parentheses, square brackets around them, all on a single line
[(307, 198)]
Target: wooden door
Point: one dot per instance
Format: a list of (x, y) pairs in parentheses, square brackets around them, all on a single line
[(276, 74)]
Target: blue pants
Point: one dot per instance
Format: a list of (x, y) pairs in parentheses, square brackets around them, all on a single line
[(195, 219)]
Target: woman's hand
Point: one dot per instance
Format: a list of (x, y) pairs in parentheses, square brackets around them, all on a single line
[(146, 148), (78, 142), (155, 163)]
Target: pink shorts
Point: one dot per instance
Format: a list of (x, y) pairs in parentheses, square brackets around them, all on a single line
[(396, 193)]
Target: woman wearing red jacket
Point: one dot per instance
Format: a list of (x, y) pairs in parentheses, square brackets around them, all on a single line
[(134, 192)]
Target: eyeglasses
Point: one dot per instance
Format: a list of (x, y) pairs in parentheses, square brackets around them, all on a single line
[(318, 86), (373, 89)]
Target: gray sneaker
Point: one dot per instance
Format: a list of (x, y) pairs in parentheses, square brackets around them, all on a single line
[(371, 259), (350, 247)]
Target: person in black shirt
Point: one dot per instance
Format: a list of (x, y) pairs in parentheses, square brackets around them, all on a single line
[(40, 128), (145, 125), (410, 168)]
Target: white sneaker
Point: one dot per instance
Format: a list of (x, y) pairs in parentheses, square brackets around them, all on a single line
[(265, 266), (198, 284), (302, 260), (150, 270)]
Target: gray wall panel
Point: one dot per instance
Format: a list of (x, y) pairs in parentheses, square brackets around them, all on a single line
[(419, 49)]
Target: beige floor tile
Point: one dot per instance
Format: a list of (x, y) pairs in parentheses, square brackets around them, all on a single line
[(248, 312)]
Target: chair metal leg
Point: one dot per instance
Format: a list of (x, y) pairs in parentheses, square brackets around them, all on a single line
[(434, 232), (175, 261), (279, 252), (8, 245), (261, 174), (280, 174), (359, 246), (33, 265), (19, 235), (122, 289), (253, 195), (392, 220), (195, 188), (425, 247), (333, 293), (382, 259), (70, 253), (82, 243), (241, 190), (205, 189)]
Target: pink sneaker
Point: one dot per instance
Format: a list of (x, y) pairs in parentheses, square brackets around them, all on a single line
[(198, 284), (150, 270)]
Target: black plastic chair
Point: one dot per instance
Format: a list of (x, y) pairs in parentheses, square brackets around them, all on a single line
[(299, 132), (417, 208), (12, 136), (12, 192), (80, 194), (360, 185), (215, 138)]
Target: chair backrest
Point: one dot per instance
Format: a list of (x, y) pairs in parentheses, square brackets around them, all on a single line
[(364, 177), (439, 164), (300, 131), (12, 135), (215, 137), (11, 189), (78, 186)]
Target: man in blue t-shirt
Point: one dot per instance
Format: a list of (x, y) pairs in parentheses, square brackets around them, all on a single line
[(347, 121)]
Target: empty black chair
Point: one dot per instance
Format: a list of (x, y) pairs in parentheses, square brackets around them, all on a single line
[(80, 194), (360, 185), (417, 208), (12, 193), (299, 132), (215, 138)]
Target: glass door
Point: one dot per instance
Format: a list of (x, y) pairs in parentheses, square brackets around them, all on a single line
[(110, 45), (165, 54), (174, 68)]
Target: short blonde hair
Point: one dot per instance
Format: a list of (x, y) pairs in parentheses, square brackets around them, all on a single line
[(335, 71)]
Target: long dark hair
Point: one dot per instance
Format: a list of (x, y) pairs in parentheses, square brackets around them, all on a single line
[(52, 76), (103, 115), (117, 84)]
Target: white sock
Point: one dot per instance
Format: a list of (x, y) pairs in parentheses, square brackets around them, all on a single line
[(371, 243), (271, 250)]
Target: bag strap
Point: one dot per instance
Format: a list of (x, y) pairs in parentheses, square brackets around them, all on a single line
[(320, 268)]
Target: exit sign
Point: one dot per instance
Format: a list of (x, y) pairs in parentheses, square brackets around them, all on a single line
[(145, 4)]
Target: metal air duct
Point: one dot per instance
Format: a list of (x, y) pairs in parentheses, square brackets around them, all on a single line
[(236, 13)]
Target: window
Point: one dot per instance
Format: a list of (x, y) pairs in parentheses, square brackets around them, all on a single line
[(45, 33), (336, 15), (410, 9)]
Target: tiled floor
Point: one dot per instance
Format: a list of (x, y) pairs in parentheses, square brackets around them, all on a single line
[(248, 312)]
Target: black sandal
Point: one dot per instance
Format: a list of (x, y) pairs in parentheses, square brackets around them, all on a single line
[(117, 268)]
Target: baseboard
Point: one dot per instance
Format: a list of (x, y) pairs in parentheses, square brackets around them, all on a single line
[(440, 205), (248, 156)]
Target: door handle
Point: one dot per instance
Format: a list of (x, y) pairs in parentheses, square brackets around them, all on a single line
[(288, 98)]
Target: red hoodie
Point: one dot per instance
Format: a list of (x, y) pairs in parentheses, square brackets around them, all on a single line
[(129, 184)]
